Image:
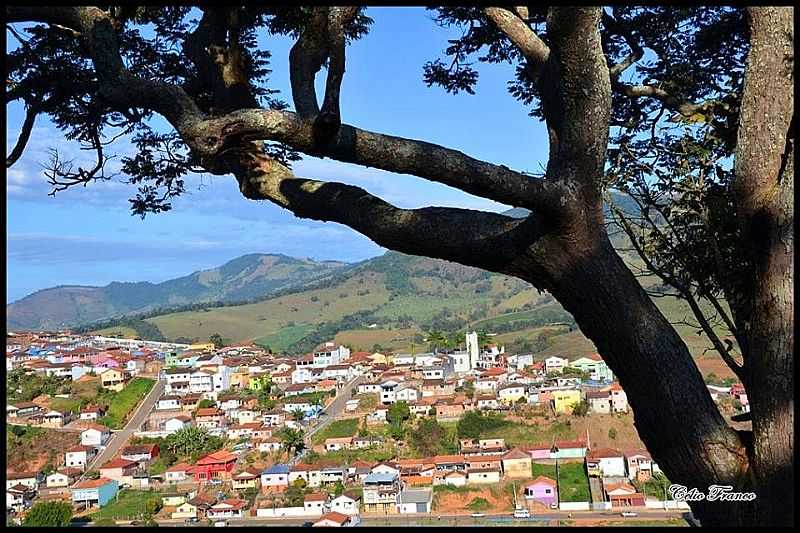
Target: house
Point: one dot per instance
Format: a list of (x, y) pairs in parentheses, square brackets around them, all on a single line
[(605, 462), (177, 423), (623, 495), (270, 444), (516, 464), (640, 464), (230, 508), (346, 503), (62, 478), (564, 400), (27, 479), (113, 379), (380, 492), (217, 465), (120, 470), (413, 501), (555, 364), (476, 476), (314, 503), (335, 519), (94, 492), (79, 456), (19, 498), (173, 499), (22, 409), (209, 418), (569, 449), (619, 400), (177, 473), (312, 475), (336, 444), (168, 402), (53, 419), (140, 452), (542, 489), (185, 510), (457, 478), (599, 402), (594, 366), (95, 435), (246, 479), (276, 475), (92, 412), (510, 393)]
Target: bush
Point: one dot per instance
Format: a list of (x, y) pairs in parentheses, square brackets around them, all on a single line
[(49, 514), (612, 433)]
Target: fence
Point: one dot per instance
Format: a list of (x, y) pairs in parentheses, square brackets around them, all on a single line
[(574, 506)]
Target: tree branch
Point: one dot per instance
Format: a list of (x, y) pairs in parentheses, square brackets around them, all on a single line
[(531, 45), (636, 49), (27, 126)]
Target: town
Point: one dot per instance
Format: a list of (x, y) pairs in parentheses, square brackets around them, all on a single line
[(143, 432)]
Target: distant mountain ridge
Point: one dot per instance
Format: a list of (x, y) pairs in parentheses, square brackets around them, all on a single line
[(246, 277)]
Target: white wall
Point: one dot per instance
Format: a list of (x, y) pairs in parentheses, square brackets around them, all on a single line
[(574, 506)]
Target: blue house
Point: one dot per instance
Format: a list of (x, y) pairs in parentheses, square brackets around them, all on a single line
[(94, 492)]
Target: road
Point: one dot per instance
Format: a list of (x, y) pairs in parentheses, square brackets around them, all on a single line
[(454, 520), (336, 407), (120, 437)]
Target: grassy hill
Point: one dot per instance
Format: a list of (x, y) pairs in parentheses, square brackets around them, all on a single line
[(392, 300), (246, 277)]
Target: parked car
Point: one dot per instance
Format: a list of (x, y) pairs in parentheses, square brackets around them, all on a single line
[(215, 482), (521, 513), (221, 523), (478, 515), (627, 514), (192, 520)]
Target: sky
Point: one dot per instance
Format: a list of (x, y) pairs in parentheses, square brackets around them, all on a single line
[(87, 235)]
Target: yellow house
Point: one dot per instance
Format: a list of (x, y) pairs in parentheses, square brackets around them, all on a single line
[(381, 359), (173, 500), (240, 379), (207, 346), (113, 379), (248, 479), (565, 400), (185, 510)]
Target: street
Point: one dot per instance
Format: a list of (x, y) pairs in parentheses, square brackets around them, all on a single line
[(336, 407), (120, 437)]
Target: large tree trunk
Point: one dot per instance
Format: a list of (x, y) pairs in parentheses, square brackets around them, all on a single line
[(765, 205), (683, 429)]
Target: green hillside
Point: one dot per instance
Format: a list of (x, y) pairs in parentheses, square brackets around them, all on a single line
[(247, 277)]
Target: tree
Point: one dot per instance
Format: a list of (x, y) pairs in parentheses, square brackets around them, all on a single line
[(427, 437), (581, 409), (49, 514), (205, 403), (722, 74), (292, 440), (397, 414), (612, 434), (217, 340), (298, 414), (192, 442)]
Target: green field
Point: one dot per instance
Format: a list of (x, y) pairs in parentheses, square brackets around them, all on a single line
[(124, 401), (128, 505), (285, 337), (573, 483), (337, 429)]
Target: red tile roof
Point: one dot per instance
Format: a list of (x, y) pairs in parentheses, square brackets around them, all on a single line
[(92, 483)]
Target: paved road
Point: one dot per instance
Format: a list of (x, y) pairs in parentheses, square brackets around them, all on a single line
[(336, 407), (452, 520), (120, 437)]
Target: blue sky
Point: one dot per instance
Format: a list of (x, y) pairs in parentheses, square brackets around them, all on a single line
[(87, 236)]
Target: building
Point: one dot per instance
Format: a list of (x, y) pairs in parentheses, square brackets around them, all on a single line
[(27, 479), (79, 456), (594, 366), (605, 462), (249, 478), (640, 464), (517, 464), (177, 473), (94, 492), (315, 503), (564, 400), (599, 402), (95, 435), (120, 470), (140, 452), (217, 465), (346, 503), (622, 495), (335, 519), (555, 364), (415, 501), (543, 490), (113, 379), (62, 478), (381, 491), (230, 508)]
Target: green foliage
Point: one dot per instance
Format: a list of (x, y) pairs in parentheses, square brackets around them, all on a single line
[(123, 402), (292, 440), (397, 414), (428, 437), (472, 423), (192, 443), (22, 387), (581, 409), (49, 514), (612, 434), (346, 427), (478, 504), (130, 505), (217, 340), (205, 403), (144, 330)]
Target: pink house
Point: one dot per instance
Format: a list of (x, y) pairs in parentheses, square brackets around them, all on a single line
[(540, 451), (542, 489), (104, 360)]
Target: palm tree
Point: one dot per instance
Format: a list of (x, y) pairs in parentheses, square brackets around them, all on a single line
[(298, 414), (292, 440), (435, 339)]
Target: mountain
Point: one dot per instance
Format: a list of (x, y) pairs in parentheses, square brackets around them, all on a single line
[(246, 277)]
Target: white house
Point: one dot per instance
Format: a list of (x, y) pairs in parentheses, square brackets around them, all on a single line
[(177, 423), (415, 501), (276, 476), (605, 462), (555, 364), (95, 435), (346, 503), (79, 456), (168, 402)]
